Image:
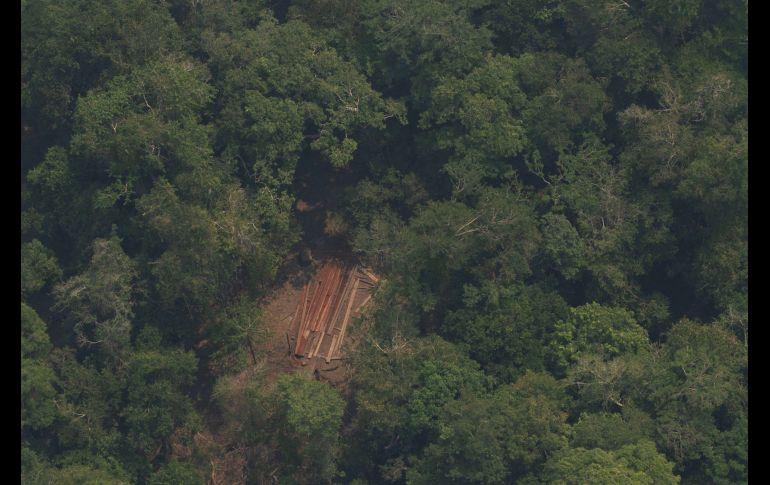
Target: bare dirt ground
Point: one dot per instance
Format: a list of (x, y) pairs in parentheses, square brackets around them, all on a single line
[(278, 315)]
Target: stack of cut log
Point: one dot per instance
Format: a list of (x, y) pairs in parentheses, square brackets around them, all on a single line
[(326, 306)]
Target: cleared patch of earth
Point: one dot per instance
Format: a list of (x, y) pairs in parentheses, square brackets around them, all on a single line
[(278, 316)]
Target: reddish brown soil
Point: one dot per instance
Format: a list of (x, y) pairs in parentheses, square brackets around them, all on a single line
[(278, 315)]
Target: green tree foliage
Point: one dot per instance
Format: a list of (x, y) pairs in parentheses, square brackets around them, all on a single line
[(51, 188), (38, 267), (210, 252), (418, 42), (37, 394), (88, 407), (283, 90), (603, 30), (402, 391), (567, 104), (393, 194), (99, 302), (638, 464), (66, 49), (469, 448), (610, 431), (479, 120), (592, 224), (608, 385), (707, 361), (76, 474), (526, 25), (237, 332), (37, 378), (34, 336), (424, 374), (496, 439), (563, 249), (156, 404), (143, 124), (53, 174), (675, 149), (694, 387), (449, 241), (503, 327), (592, 328), (309, 413), (702, 396), (536, 418), (176, 473), (33, 468)]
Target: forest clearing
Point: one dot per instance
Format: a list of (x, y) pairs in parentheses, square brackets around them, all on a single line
[(309, 317)]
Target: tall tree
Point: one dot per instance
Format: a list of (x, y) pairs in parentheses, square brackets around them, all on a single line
[(38, 393), (309, 413), (99, 301)]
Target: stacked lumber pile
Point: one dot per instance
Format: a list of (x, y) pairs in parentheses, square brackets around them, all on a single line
[(326, 306)]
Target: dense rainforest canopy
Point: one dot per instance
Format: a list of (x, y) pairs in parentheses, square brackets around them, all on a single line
[(555, 193)]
